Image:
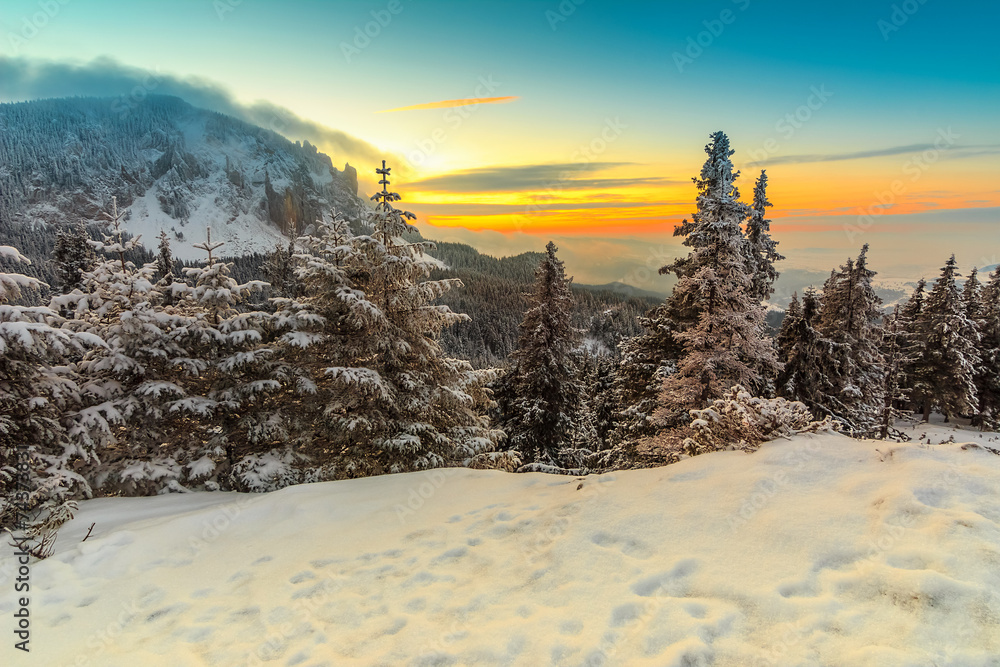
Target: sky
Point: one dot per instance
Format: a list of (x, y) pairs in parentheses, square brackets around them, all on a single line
[(584, 121)]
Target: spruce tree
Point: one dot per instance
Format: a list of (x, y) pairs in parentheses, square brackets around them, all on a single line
[(387, 398), (723, 336), (38, 479), (135, 380), (714, 278), (850, 317), (165, 268), (988, 375), (918, 383), (544, 390), (810, 359), (893, 386), (947, 367), (72, 256), (762, 250)]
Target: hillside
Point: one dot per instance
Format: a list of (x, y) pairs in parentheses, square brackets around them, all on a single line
[(819, 550), (175, 167)]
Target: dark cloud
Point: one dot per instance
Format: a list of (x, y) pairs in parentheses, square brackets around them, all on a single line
[(947, 151), (534, 178), (22, 79)]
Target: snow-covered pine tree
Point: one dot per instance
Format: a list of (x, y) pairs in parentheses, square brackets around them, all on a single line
[(279, 270), (988, 376), (972, 293), (72, 256), (917, 381), (723, 331), (950, 356), (713, 232), (762, 248), (165, 268), (543, 387), (134, 382), (810, 359), (234, 410), (893, 386), (850, 317), (37, 479), (387, 398)]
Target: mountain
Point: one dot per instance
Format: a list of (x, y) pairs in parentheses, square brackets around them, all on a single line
[(175, 167)]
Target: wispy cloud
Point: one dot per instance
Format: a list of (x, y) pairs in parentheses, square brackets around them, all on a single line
[(25, 79), (953, 152), (534, 178), (447, 104)]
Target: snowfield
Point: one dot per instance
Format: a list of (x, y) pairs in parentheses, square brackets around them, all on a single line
[(820, 550)]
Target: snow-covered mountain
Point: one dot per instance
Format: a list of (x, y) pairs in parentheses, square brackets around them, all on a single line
[(176, 167)]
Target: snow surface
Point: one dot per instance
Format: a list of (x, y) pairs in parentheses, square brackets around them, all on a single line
[(819, 550)]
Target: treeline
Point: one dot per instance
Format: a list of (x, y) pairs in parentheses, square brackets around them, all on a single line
[(142, 377)]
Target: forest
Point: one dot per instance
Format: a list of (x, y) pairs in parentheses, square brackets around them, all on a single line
[(351, 352)]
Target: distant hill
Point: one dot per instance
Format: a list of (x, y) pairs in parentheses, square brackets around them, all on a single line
[(175, 167)]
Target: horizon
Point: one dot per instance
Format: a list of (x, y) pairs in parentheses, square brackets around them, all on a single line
[(867, 131)]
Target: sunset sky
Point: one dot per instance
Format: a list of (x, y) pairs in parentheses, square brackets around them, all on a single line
[(511, 123)]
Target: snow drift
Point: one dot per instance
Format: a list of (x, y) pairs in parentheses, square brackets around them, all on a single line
[(819, 550)]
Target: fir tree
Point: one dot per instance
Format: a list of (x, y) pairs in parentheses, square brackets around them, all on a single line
[(893, 391), (988, 375), (723, 327), (387, 398), (165, 268), (544, 388), (918, 384), (72, 256), (810, 359), (850, 318), (37, 458), (279, 270), (762, 249), (714, 293), (945, 372), (133, 382)]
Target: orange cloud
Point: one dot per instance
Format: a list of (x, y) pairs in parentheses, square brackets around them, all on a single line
[(447, 104)]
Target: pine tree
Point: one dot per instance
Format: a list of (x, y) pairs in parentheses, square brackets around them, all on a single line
[(723, 327), (387, 399), (810, 359), (893, 391), (165, 268), (716, 293), (134, 381), (918, 384), (850, 317), (763, 251), (37, 458), (544, 386), (946, 370), (233, 410), (279, 269), (988, 377), (72, 256)]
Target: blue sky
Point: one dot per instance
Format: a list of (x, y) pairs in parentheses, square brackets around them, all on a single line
[(892, 76)]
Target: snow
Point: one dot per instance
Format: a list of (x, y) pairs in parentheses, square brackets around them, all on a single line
[(815, 550)]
